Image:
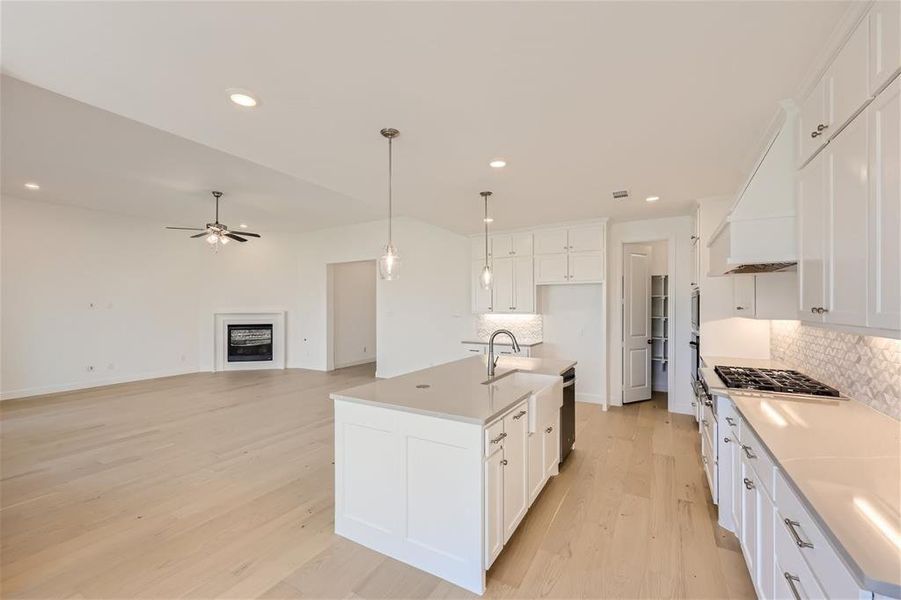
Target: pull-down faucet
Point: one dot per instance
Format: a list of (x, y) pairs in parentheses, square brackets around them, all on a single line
[(492, 360)]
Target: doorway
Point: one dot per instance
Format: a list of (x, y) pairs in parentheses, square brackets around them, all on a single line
[(646, 321), (352, 314)]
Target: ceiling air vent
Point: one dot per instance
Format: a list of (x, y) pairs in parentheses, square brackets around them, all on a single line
[(620, 194)]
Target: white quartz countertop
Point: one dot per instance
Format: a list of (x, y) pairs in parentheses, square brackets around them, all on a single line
[(502, 342), (456, 390), (844, 460)]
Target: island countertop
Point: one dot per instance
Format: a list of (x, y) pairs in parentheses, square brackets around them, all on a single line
[(456, 390)]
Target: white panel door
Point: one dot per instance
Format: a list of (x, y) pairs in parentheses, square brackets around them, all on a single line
[(884, 278), (812, 125), (847, 86), (744, 296), (524, 285), (846, 261), (516, 469), (502, 285), (551, 268), (551, 241), (494, 507), (636, 323), (586, 239), (586, 267), (812, 239), (481, 298), (885, 43)]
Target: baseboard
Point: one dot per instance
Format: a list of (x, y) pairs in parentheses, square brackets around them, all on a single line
[(589, 398), (71, 387), (355, 363)]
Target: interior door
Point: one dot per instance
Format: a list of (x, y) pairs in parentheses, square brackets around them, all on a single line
[(636, 323), (812, 239)]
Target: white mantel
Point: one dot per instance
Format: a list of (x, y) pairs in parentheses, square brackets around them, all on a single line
[(221, 321)]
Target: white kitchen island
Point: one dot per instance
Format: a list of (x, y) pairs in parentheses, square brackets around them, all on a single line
[(438, 467)]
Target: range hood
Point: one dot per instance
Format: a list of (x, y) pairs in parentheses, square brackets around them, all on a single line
[(758, 235)]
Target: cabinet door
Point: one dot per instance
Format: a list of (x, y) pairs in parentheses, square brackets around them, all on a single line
[(552, 241), (478, 247), (481, 298), (737, 484), (847, 85), (776, 295), (749, 518), (586, 239), (846, 260), (766, 543), (551, 452), (586, 266), (501, 245), (744, 296), (536, 464), (522, 244), (550, 268), (885, 43), (884, 276), (516, 469), (811, 239), (812, 122), (524, 285), (494, 507), (502, 285)]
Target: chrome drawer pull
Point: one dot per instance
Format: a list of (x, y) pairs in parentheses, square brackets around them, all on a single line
[(504, 462), (749, 484), (549, 429), (791, 579), (791, 529), (498, 439), (730, 421), (519, 415), (748, 452)]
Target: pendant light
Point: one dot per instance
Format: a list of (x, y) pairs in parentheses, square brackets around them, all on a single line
[(389, 263), (486, 277)]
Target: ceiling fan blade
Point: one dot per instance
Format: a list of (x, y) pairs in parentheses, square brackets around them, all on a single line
[(188, 228), (248, 234), (201, 234), (235, 237)]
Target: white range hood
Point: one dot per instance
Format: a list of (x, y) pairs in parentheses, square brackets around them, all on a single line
[(758, 235)]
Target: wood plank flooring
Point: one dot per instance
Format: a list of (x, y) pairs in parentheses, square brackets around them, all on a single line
[(221, 485)]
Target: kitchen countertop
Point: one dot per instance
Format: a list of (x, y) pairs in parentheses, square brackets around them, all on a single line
[(844, 460), (456, 390), (502, 341)]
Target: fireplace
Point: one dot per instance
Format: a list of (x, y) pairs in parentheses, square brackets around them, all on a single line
[(250, 342)]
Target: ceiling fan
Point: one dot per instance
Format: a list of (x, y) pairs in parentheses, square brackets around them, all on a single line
[(216, 232)]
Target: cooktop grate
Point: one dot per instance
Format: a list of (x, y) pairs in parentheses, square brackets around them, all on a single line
[(773, 380)]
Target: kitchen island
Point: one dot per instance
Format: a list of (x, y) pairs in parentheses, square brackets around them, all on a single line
[(437, 468)]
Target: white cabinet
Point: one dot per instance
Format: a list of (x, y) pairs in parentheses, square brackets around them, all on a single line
[(515, 244), (885, 43), (743, 296), (551, 451), (812, 239), (512, 286), (551, 241), (551, 268), (574, 255), (589, 238), (523, 285), (494, 507), (536, 464), (516, 474), (884, 276), (502, 284), (847, 88), (748, 531), (482, 299), (478, 247), (812, 122), (585, 267)]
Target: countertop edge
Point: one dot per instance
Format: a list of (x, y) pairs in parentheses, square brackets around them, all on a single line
[(431, 413), (504, 343)]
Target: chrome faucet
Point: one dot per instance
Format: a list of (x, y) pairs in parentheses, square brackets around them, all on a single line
[(492, 360)]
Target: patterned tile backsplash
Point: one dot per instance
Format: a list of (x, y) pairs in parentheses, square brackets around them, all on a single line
[(865, 368), (526, 328)]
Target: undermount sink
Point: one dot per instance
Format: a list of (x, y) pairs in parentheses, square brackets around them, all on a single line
[(525, 379)]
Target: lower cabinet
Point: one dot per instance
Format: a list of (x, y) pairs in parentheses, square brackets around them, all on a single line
[(494, 506)]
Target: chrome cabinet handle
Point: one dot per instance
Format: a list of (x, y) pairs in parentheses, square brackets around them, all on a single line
[(499, 438), (739, 308), (821, 127), (813, 310), (748, 452), (504, 462), (813, 134), (791, 529), (730, 421), (726, 439), (749, 484), (791, 579), (549, 429), (519, 415), (512, 308), (822, 310)]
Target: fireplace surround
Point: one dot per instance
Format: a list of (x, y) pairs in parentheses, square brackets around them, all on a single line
[(249, 340)]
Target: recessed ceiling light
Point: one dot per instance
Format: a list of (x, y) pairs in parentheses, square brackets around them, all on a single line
[(497, 164), (242, 98), (652, 199), (243, 225), (32, 186)]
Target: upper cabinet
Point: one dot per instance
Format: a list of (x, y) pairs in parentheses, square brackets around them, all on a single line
[(885, 43), (516, 244), (551, 241), (573, 255)]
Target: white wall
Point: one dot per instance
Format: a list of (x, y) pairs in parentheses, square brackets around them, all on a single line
[(154, 293), (574, 328), (352, 290), (677, 231), (723, 334)]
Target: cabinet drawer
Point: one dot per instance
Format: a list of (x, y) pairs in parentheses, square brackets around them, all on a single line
[(792, 576), (708, 420), (727, 416), (708, 461), (494, 437), (795, 525), (758, 458)]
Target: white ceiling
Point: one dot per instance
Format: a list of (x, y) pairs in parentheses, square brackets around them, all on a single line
[(662, 98)]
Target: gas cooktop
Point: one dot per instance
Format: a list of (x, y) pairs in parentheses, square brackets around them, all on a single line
[(773, 380)]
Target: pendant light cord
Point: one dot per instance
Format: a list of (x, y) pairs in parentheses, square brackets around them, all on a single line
[(486, 230), (390, 190)]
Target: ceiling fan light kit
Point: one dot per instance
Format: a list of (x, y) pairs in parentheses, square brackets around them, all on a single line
[(216, 233)]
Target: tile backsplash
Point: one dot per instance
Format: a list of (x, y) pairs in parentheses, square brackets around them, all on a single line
[(526, 328), (865, 368)]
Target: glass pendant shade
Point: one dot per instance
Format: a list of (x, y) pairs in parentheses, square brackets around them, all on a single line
[(389, 263), (212, 238), (486, 277)]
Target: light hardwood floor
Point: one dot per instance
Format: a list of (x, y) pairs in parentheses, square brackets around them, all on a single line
[(221, 485)]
